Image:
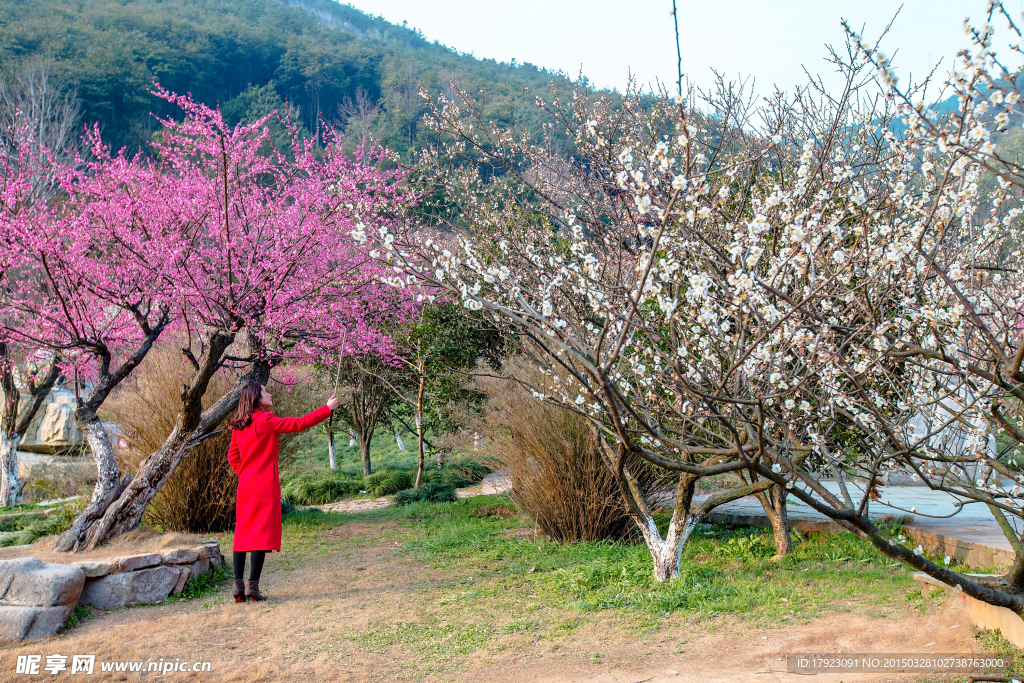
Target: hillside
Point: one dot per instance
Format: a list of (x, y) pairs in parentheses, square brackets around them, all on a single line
[(330, 60)]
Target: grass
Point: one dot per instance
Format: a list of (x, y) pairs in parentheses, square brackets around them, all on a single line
[(204, 585), (448, 585), (28, 529), (78, 615), (724, 570), (486, 578)]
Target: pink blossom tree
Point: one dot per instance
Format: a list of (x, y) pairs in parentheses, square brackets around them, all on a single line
[(256, 266), (84, 278)]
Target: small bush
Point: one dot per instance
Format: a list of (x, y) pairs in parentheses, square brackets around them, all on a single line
[(320, 490), (387, 482), (457, 474), (550, 456), (427, 493)]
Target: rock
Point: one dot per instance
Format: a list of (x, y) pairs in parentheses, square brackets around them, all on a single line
[(133, 562), (127, 588), (36, 597), (54, 427), (200, 566), (180, 556), (212, 546), (185, 573), (21, 623), (95, 568), (27, 581), (495, 482)]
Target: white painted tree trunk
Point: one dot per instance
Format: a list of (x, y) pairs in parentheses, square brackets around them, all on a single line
[(330, 451), (398, 440), (352, 439), (666, 552), (11, 484)]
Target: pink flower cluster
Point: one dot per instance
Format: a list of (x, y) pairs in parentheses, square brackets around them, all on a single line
[(217, 229)]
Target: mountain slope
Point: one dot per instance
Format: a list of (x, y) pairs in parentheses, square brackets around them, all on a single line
[(330, 60)]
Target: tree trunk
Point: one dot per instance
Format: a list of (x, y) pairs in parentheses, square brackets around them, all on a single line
[(774, 503), (419, 432), (398, 440), (11, 485), (13, 426), (364, 453), (192, 427), (352, 439), (109, 483), (331, 457), (667, 553)]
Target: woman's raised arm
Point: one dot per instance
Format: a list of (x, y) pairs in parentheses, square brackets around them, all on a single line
[(285, 425)]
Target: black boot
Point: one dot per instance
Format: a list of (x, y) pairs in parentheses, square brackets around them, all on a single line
[(238, 591), (252, 591)]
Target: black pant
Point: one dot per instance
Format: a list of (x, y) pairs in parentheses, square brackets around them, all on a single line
[(255, 565)]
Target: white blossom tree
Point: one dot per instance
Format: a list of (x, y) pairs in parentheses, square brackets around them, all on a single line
[(811, 286)]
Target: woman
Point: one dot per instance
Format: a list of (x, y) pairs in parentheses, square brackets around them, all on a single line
[(253, 456)]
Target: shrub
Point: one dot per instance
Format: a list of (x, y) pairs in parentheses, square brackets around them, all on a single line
[(427, 493), (386, 482), (550, 457), (320, 490), (200, 495), (457, 474)]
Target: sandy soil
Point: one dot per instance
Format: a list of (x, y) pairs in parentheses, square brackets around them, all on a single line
[(327, 603)]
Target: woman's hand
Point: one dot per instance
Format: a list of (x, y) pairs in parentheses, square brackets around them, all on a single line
[(332, 402)]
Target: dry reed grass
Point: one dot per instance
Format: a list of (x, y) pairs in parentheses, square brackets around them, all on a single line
[(550, 457), (200, 495), (68, 476)]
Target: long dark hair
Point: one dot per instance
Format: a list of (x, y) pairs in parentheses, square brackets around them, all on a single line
[(248, 403)]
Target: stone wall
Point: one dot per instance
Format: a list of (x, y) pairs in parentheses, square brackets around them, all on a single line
[(37, 597)]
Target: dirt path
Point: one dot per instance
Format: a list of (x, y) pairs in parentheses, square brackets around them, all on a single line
[(366, 504), (349, 606)]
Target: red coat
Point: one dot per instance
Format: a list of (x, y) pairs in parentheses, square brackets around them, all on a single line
[(253, 457)]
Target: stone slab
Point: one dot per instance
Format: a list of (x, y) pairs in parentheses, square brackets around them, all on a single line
[(133, 562), (981, 613), (22, 623), (128, 588), (213, 547), (200, 566), (27, 581), (95, 568), (179, 556), (185, 573)]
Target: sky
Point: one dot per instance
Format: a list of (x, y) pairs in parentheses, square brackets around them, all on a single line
[(768, 40)]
